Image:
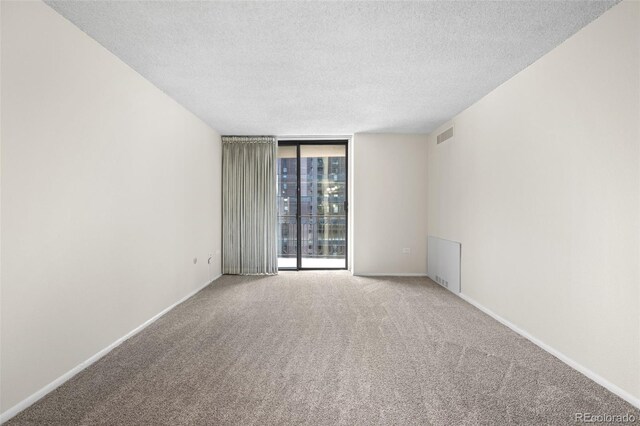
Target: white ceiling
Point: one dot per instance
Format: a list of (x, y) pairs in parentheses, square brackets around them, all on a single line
[(307, 68)]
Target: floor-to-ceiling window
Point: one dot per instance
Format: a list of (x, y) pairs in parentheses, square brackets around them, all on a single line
[(312, 204)]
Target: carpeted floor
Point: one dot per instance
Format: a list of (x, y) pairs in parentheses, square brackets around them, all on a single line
[(324, 348)]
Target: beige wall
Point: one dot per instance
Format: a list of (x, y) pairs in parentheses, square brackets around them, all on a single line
[(109, 190), (541, 186), (389, 204)]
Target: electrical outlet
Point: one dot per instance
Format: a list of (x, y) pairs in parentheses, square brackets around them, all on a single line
[(406, 250)]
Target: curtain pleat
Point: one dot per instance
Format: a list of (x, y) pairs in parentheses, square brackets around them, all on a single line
[(249, 216)]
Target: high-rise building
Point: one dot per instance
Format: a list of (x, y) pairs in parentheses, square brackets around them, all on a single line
[(322, 207)]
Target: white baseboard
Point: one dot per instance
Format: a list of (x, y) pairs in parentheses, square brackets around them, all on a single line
[(11, 412), (562, 357), (390, 274)]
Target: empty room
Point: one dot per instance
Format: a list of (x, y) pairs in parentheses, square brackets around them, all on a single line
[(319, 212)]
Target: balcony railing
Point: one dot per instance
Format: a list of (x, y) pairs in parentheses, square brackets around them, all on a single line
[(322, 236)]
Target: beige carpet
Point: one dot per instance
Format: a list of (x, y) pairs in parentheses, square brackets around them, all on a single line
[(322, 349)]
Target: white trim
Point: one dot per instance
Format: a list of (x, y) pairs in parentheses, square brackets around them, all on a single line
[(390, 274), (11, 412), (562, 357)]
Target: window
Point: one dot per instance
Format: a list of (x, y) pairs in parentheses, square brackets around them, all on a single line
[(316, 236)]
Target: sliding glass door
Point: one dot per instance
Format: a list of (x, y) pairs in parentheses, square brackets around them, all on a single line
[(287, 202), (312, 204)]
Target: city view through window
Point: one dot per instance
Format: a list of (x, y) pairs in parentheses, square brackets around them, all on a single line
[(321, 216)]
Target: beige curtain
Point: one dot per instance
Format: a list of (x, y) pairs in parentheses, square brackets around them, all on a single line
[(249, 216)]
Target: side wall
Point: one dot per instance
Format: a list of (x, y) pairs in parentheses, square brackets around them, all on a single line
[(110, 189), (389, 204), (540, 184)]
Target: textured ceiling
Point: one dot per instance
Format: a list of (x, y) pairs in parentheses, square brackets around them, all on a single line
[(305, 68)]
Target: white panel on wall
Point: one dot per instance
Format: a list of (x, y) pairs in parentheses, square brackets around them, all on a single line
[(443, 262)]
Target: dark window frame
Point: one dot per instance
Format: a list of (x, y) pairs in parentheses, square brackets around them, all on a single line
[(298, 144)]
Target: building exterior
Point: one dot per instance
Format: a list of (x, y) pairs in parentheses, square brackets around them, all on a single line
[(322, 199)]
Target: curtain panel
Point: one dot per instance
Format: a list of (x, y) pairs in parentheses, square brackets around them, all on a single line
[(249, 216)]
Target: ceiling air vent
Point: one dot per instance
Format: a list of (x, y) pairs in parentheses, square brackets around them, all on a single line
[(447, 134)]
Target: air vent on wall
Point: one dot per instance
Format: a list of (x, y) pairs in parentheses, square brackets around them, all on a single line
[(443, 262), (447, 134)]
